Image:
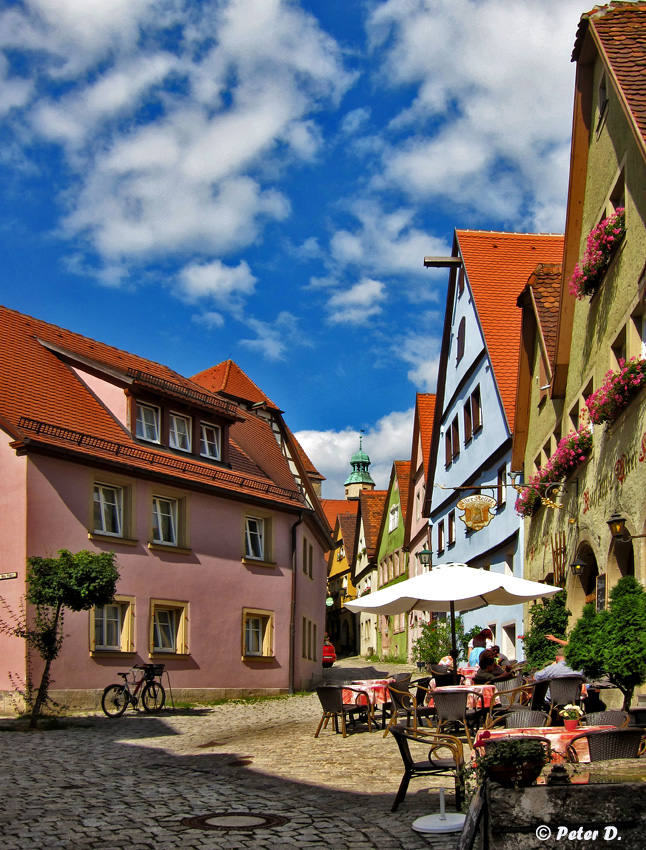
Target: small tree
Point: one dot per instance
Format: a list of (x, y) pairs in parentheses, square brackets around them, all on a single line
[(550, 617), (435, 640), (613, 642), (76, 582)]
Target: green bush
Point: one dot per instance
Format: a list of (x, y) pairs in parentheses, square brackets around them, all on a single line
[(549, 617)]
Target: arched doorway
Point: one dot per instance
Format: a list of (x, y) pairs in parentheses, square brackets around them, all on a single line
[(583, 587), (621, 561)]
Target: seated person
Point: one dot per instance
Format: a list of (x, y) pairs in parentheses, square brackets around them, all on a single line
[(489, 672), (481, 641), (557, 669), (500, 658)]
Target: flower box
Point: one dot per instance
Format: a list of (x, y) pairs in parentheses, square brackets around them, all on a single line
[(570, 453), (617, 390), (602, 242)]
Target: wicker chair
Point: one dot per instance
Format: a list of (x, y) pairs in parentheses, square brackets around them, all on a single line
[(538, 701), (610, 744), (565, 690), (451, 707), (331, 697), (405, 705), (444, 757), (612, 717), (508, 700), (443, 676), (523, 719)]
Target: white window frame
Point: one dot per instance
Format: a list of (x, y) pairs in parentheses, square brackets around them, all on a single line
[(148, 430), (121, 612), (104, 507), (256, 534), (169, 632), (257, 633), (206, 443), (172, 514), (178, 439), (393, 517)]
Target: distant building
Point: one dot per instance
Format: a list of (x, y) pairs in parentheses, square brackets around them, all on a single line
[(198, 487), (365, 563), (360, 478)]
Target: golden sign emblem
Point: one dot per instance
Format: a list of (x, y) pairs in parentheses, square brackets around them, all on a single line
[(477, 511)]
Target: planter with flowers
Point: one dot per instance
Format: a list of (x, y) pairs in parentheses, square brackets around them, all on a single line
[(617, 390), (570, 453), (571, 715), (602, 242)]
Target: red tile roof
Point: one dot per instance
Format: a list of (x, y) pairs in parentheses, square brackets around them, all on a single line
[(402, 470), (44, 405), (425, 414), (372, 509), (545, 283), (333, 507), (620, 30), (498, 266), (228, 379), (348, 527)]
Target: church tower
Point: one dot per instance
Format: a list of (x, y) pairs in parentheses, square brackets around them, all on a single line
[(360, 477)]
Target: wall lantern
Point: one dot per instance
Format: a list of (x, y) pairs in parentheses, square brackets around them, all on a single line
[(617, 526), (577, 567), (425, 557)]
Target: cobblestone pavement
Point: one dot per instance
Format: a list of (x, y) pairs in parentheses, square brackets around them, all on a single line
[(134, 782)]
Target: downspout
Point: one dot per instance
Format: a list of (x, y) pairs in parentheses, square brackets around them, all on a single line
[(292, 607)]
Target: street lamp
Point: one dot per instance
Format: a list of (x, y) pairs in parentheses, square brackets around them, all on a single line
[(425, 557), (577, 567), (617, 526)]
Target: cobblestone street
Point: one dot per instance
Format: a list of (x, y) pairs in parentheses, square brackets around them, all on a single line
[(135, 782)]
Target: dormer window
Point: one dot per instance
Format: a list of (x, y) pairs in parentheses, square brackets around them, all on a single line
[(179, 432), (148, 420), (210, 441)]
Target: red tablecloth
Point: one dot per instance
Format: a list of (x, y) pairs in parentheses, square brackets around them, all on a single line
[(468, 673), (558, 736), (487, 692), (377, 690)]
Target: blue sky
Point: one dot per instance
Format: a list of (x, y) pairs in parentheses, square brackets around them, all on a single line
[(260, 180)]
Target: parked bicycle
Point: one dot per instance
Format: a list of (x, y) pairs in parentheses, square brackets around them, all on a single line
[(116, 698)]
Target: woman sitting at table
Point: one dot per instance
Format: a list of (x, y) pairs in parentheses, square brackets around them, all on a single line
[(489, 672)]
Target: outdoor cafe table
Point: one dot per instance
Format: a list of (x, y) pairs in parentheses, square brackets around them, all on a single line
[(468, 673), (487, 691), (377, 690), (558, 736)]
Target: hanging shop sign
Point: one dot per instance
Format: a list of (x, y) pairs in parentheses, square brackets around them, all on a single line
[(329, 602), (477, 511), (4, 576)]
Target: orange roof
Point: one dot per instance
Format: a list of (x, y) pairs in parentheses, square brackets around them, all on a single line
[(498, 266), (620, 29), (372, 509), (425, 414), (402, 470), (228, 379), (348, 527), (45, 406), (333, 507), (546, 286)]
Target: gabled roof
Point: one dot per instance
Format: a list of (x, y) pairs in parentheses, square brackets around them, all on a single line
[(545, 285), (620, 32), (425, 414), (348, 528), (402, 471), (228, 379), (46, 407), (497, 267), (372, 509), (333, 507)]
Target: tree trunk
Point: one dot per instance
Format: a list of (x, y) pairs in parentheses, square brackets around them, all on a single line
[(43, 688)]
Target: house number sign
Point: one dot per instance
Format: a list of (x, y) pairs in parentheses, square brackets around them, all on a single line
[(8, 575)]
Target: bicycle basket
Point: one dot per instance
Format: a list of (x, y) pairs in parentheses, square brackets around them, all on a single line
[(154, 670)]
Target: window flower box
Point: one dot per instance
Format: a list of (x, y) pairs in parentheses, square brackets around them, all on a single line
[(601, 244), (617, 390), (570, 453)]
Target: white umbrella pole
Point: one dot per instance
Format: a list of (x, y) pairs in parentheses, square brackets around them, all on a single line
[(454, 648)]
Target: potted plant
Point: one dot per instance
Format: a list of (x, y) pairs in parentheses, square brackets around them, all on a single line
[(600, 246), (511, 761), (617, 391), (571, 715)]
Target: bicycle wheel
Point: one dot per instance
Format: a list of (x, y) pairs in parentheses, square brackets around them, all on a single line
[(153, 697), (114, 700)]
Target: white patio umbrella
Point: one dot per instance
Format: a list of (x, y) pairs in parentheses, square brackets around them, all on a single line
[(451, 588)]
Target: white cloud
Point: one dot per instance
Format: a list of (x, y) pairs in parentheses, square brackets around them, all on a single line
[(225, 286), (422, 352), (354, 120), (387, 440), (500, 71), (274, 341), (358, 304), (210, 320)]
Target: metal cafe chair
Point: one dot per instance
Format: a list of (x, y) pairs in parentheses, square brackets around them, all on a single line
[(331, 698), (609, 744), (445, 756)]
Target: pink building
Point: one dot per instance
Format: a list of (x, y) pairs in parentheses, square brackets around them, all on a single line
[(200, 489)]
